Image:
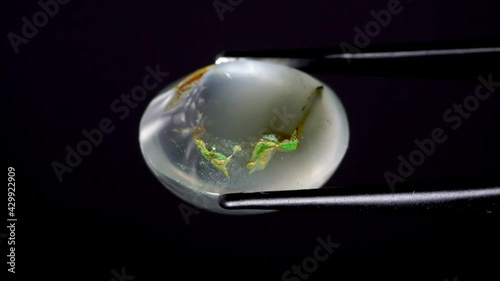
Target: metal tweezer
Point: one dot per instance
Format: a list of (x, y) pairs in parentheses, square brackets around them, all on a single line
[(452, 60), (456, 60)]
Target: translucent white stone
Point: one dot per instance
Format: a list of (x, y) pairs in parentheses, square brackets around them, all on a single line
[(229, 108)]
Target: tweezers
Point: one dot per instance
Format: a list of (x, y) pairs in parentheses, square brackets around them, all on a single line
[(451, 60), (457, 60)]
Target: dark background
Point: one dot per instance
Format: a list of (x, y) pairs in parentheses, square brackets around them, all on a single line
[(111, 212)]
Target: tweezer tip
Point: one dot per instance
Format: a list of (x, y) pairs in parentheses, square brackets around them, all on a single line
[(224, 204)]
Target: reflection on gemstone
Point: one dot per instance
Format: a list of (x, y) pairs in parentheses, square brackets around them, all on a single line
[(243, 126)]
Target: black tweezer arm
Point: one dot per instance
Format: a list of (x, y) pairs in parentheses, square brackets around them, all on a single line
[(456, 60), (461, 201)]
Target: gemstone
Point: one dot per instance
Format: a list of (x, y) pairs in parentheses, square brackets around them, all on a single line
[(243, 126)]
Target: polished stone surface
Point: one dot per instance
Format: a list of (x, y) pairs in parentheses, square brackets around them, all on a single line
[(243, 126)]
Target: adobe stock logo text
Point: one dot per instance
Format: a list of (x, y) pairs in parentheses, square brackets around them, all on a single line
[(94, 137)]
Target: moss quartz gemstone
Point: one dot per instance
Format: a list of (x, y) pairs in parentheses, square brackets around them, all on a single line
[(243, 126)]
